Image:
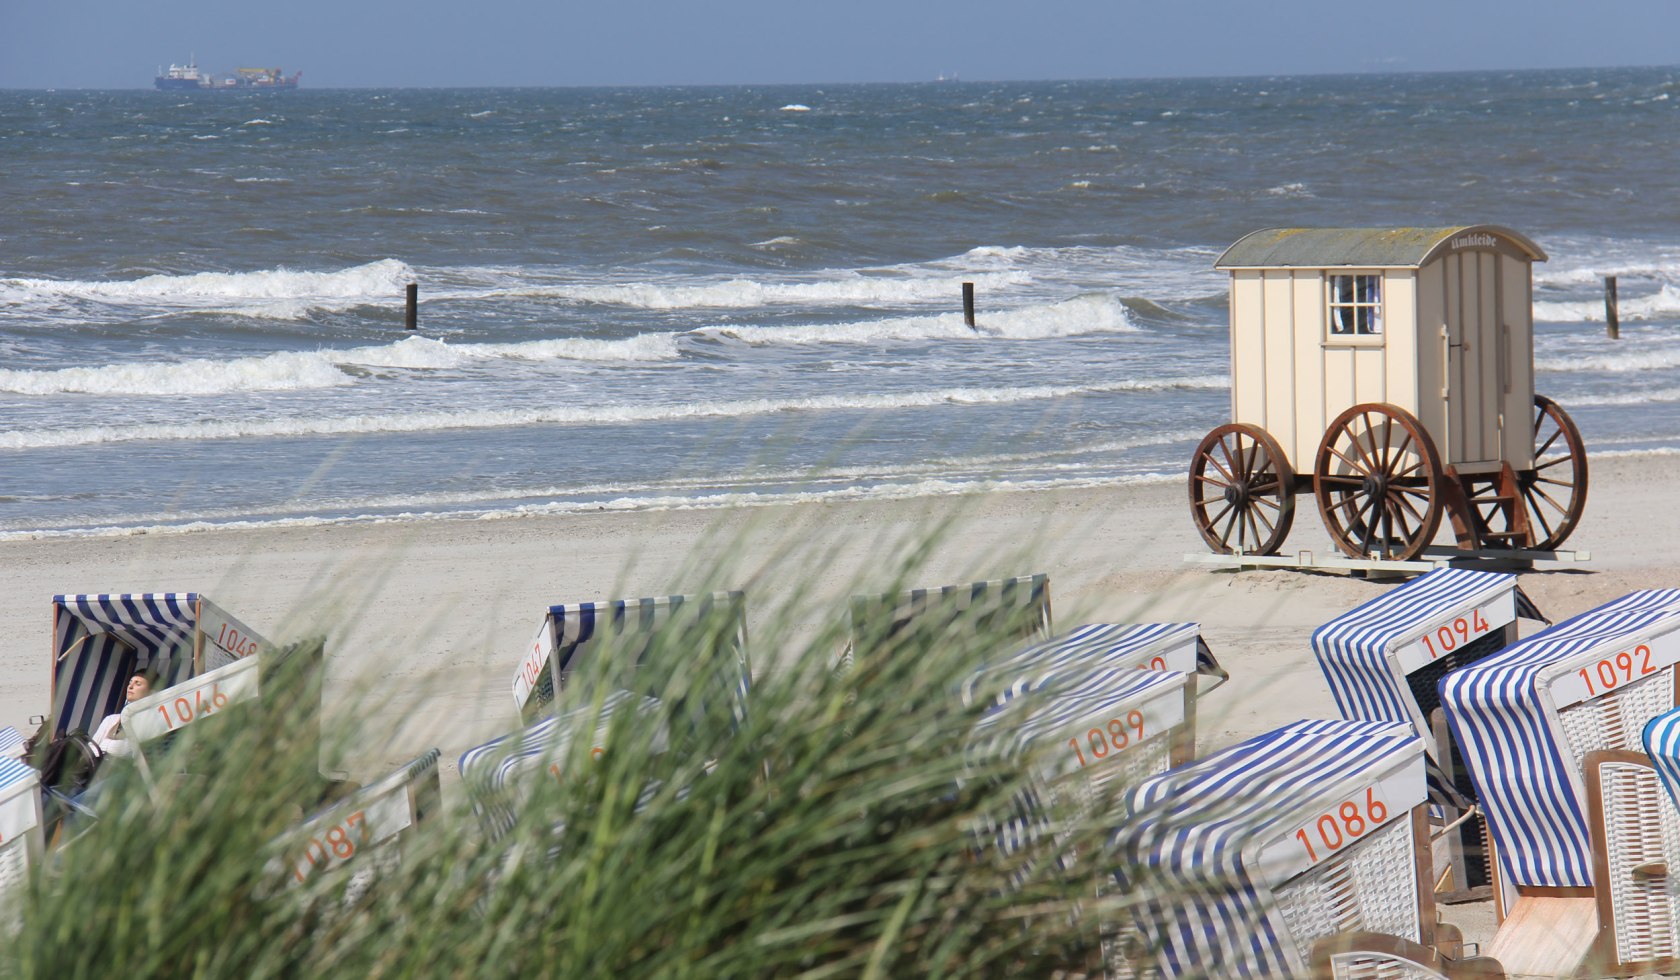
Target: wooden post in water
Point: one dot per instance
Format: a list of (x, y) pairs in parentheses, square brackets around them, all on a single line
[(1612, 322), (412, 317), (968, 304)]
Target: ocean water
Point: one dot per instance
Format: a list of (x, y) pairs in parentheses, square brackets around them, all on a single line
[(702, 297)]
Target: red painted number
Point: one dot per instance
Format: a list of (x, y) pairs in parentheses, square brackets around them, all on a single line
[(1448, 638), (339, 845), (1611, 672), (1343, 825), (234, 642), (180, 711), (1116, 735), (533, 666)]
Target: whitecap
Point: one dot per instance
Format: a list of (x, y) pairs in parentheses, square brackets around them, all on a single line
[(302, 370), (245, 293), (436, 421), (1087, 314), (849, 290)]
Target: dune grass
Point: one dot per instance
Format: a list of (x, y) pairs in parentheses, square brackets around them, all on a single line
[(846, 827)]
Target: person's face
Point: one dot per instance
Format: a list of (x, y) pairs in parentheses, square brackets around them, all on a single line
[(138, 688)]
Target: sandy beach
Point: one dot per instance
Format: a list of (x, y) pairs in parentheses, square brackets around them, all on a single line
[(434, 614)]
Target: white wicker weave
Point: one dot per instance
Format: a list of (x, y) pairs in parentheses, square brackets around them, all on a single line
[(1613, 721), (1370, 888), (1636, 845), (21, 835), (1370, 965), (14, 867)]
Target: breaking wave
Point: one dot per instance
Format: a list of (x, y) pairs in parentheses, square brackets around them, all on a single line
[(734, 294), (278, 293), (566, 415), (1093, 313), (299, 370), (1634, 359), (1663, 303)]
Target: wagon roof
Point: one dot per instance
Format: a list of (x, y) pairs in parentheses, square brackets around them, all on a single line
[(1406, 248)]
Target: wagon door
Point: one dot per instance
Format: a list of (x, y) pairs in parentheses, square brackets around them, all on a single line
[(1473, 347)]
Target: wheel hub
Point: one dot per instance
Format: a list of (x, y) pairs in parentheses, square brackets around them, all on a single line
[(1375, 485), (1237, 495)]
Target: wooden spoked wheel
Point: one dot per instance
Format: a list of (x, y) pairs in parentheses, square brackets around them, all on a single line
[(1555, 491), (1378, 482), (1242, 490)]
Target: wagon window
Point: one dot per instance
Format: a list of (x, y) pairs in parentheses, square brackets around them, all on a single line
[(1355, 305)]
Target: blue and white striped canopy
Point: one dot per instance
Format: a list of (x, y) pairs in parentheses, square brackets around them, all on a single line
[(1012, 610), (571, 634), (1358, 649), (11, 742), (100, 640), (498, 774), (15, 771), (1035, 727), (1504, 714), (1662, 743), (1206, 845), (1017, 722), (1090, 654)]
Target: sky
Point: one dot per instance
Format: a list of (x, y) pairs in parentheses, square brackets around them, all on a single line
[(406, 43)]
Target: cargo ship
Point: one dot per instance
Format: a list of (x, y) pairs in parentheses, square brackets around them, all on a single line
[(179, 77), (188, 76)]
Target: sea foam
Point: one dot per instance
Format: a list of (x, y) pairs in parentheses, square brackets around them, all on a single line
[(261, 293), (1633, 358), (299, 370), (434, 421), (1662, 304), (849, 290), (1088, 314)]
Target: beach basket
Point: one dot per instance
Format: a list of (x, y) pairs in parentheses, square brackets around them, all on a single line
[(368, 831), (216, 705), (1085, 739), (613, 639), (1239, 863), (21, 833), (500, 775), (1384, 660), (100, 640), (1548, 728), (1084, 745), (1000, 613)]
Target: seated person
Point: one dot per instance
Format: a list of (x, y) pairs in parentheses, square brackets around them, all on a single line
[(108, 736)]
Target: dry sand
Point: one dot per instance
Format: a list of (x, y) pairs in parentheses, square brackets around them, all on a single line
[(437, 613)]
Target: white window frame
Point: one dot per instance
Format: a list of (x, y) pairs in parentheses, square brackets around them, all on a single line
[(1371, 321)]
